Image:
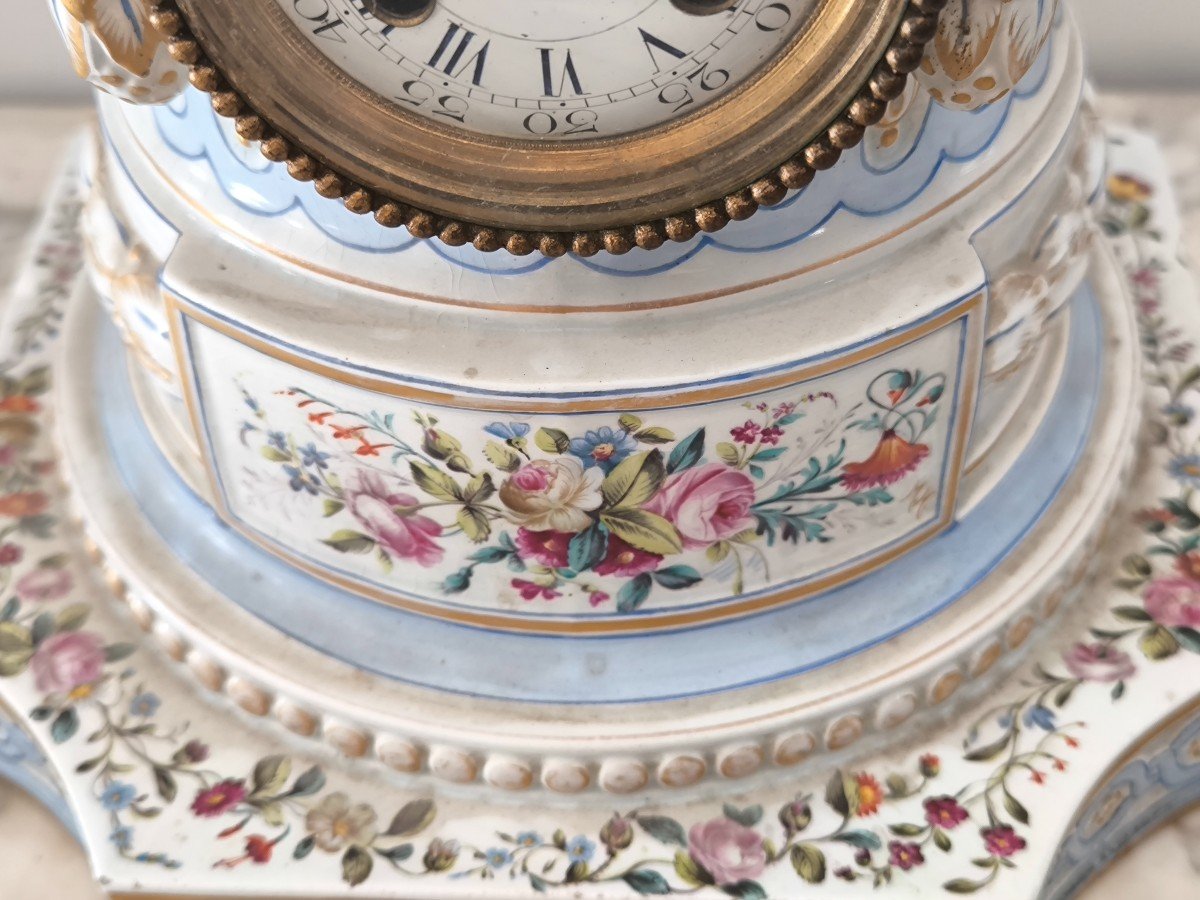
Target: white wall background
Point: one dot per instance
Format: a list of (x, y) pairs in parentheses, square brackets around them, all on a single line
[(1131, 43)]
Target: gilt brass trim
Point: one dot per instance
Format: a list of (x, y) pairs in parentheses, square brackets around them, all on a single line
[(722, 163)]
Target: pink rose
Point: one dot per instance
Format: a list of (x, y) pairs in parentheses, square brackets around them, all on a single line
[(547, 548), (1174, 602), (387, 516), (65, 661), (729, 852), (1098, 662), (706, 504), (44, 583)]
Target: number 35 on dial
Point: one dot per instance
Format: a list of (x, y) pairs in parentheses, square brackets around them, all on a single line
[(550, 69)]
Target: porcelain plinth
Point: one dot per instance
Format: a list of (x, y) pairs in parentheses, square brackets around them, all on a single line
[(1071, 754)]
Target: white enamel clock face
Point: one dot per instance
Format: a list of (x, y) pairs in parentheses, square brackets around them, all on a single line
[(552, 69)]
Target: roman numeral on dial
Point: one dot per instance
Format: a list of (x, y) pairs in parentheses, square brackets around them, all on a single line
[(656, 47), (555, 77), (453, 56)]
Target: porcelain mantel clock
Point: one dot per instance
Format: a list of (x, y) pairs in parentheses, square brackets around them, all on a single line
[(723, 447)]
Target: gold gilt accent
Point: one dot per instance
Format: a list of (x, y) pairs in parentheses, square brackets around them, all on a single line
[(854, 60), (122, 26)]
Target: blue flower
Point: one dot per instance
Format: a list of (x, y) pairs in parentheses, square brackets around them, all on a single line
[(497, 857), (278, 440), (507, 431), (299, 480), (580, 849), (1041, 717), (117, 796), (144, 704), (1186, 469), (528, 839), (122, 837), (604, 447), (311, 456)]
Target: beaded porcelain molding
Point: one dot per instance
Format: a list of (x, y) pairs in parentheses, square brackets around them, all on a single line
[(904, 54)]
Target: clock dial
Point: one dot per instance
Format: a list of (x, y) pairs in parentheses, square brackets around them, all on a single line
[(553, 69)]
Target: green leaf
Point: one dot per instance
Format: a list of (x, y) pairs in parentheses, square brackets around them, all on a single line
[(10, 610), (1189, 638), (655, 435), (346, 540), (552, 440), (274, 454), (14, 638), (634, 480), (647, 882), (413, 818), (356, 866), (304, 848), (728, 453), (43, 627), (988, 751), (14, 663), (862, 839), (629, 422), (675, 578), (745, 890), (310, 782), (897, 785), (164, 781), (271, 774), (537, 883), (73, 617), (64, 726), (475, 524), (1016, 809), (1131, 614), (809, 863), (118, 652), (644, 530), (333, 507), (397, 854), (906, 829), (1158, 643), (835, 794), (750, 816), (587, 548), (633, 593), (1136, 564), (479, 488), (435, 483), (690, 871), (942, 840), (501, 457), (663, 829), (687, 452), (963, 886)]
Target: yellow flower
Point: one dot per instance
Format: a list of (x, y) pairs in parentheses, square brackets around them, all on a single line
[(1128, 189)]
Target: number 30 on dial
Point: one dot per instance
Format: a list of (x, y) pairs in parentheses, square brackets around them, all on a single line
[(550, 69)]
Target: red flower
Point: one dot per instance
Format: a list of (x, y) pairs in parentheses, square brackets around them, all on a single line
[(220, 798), (10, 554), (869, 794), (1037, 777), (531, 591), (1060, 766), (1072, 743), (625, 560), (341, 433), (783, 409), (258, 848), (1188, 565), (905, 855), (318, 418), (771, 435), (746, 434), (1001, 840), (930, 765), (892, 459), (944, 812), (549, 548), (18, 404), (597, 598)]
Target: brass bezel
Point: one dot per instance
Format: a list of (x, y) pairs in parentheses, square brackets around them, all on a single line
[(666, 183)]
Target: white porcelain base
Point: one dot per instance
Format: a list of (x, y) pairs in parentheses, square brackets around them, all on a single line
[(177, 794)]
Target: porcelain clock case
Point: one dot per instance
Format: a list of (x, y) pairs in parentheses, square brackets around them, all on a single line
[(507, 519)]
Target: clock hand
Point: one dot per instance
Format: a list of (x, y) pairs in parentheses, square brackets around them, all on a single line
[(703, 7), (403, 13)]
